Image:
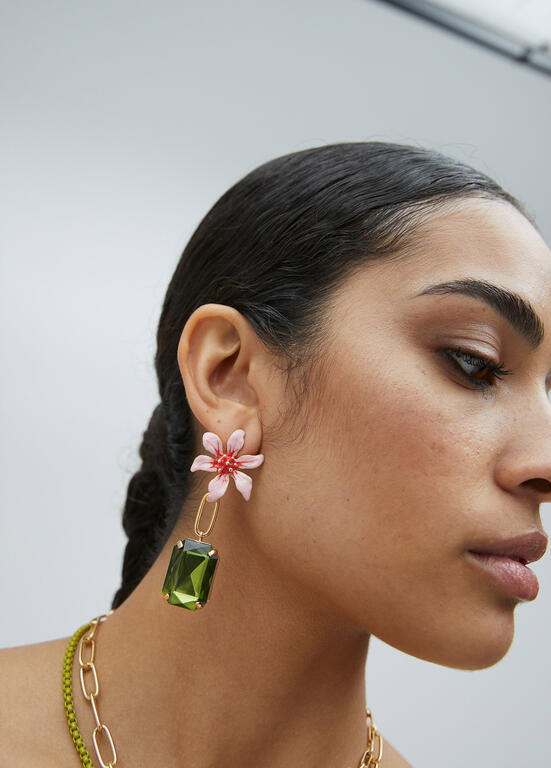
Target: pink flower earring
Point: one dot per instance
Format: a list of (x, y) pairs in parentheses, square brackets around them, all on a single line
[(227, 464), (190, 572)]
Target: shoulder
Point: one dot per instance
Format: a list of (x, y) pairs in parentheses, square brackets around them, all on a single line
[(33, 725), (391, 757)]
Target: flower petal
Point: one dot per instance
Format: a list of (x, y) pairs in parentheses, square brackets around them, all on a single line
[(249, 461), (217, 487), (235, 441), (243, 483), (212, 443), (202, 462)]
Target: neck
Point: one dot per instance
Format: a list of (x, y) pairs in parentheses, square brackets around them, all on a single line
[(256, 676)]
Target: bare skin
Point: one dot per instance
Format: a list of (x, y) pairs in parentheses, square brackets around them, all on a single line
[(360, 526)]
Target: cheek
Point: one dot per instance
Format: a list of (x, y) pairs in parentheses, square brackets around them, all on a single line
[(402, 458), (411, 453)]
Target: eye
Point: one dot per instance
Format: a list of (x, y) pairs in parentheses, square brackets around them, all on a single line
[(483, 372)]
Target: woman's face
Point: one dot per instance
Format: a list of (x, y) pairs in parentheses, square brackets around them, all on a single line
[(405, 463)]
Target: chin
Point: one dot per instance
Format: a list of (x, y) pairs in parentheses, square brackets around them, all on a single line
[(484, 658), (480, 647), (472, 644)]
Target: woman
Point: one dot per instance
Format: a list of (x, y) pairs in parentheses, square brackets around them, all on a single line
[(365, 321)]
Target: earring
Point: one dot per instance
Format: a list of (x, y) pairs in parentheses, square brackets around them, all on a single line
[(190, 572)]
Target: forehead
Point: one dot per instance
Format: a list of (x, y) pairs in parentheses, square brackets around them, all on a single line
[(479, 239)]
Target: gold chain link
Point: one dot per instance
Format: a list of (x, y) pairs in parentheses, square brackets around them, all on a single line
[(198, 531), (368, 760), (88, 666)]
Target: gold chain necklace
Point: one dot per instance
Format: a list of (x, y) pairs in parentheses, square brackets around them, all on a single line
[(87, 647)]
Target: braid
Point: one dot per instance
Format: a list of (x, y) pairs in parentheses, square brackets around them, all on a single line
[(144, 514), (156, 491)]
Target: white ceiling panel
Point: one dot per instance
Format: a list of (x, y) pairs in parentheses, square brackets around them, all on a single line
[(528, 21), (520, 29)]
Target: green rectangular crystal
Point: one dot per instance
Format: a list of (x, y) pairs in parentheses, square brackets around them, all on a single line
[(189, 575)]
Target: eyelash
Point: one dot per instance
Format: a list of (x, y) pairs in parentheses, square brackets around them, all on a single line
[(498, 370)]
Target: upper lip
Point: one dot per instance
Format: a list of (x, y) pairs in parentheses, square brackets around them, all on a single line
[(527, 547)]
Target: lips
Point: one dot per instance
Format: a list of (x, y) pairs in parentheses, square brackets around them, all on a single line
[(526, 548), (504, 562)]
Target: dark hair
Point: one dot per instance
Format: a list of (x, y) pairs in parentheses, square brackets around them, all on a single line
[(275, 246)]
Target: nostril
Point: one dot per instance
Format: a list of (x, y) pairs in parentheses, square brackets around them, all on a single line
[(540, 484)]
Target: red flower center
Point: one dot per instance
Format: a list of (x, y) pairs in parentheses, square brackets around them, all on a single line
[(225, 463)]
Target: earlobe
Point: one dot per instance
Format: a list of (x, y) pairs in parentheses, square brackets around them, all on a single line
[(216, 355)]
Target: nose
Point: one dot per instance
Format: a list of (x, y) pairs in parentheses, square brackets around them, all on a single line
[(524, 467)]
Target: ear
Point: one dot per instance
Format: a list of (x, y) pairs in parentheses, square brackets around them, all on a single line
[(225, 368)]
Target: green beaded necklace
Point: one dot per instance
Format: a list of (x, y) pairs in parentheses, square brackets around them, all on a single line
[(78, 741)]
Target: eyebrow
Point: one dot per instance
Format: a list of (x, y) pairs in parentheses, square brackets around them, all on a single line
[(517, 311)]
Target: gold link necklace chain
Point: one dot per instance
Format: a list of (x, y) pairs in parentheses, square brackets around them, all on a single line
[(85, 637)]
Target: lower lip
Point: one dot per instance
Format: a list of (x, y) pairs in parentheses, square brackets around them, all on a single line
[(517, 578)]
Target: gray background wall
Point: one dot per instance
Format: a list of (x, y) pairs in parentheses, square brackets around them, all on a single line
[(123, 122)]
